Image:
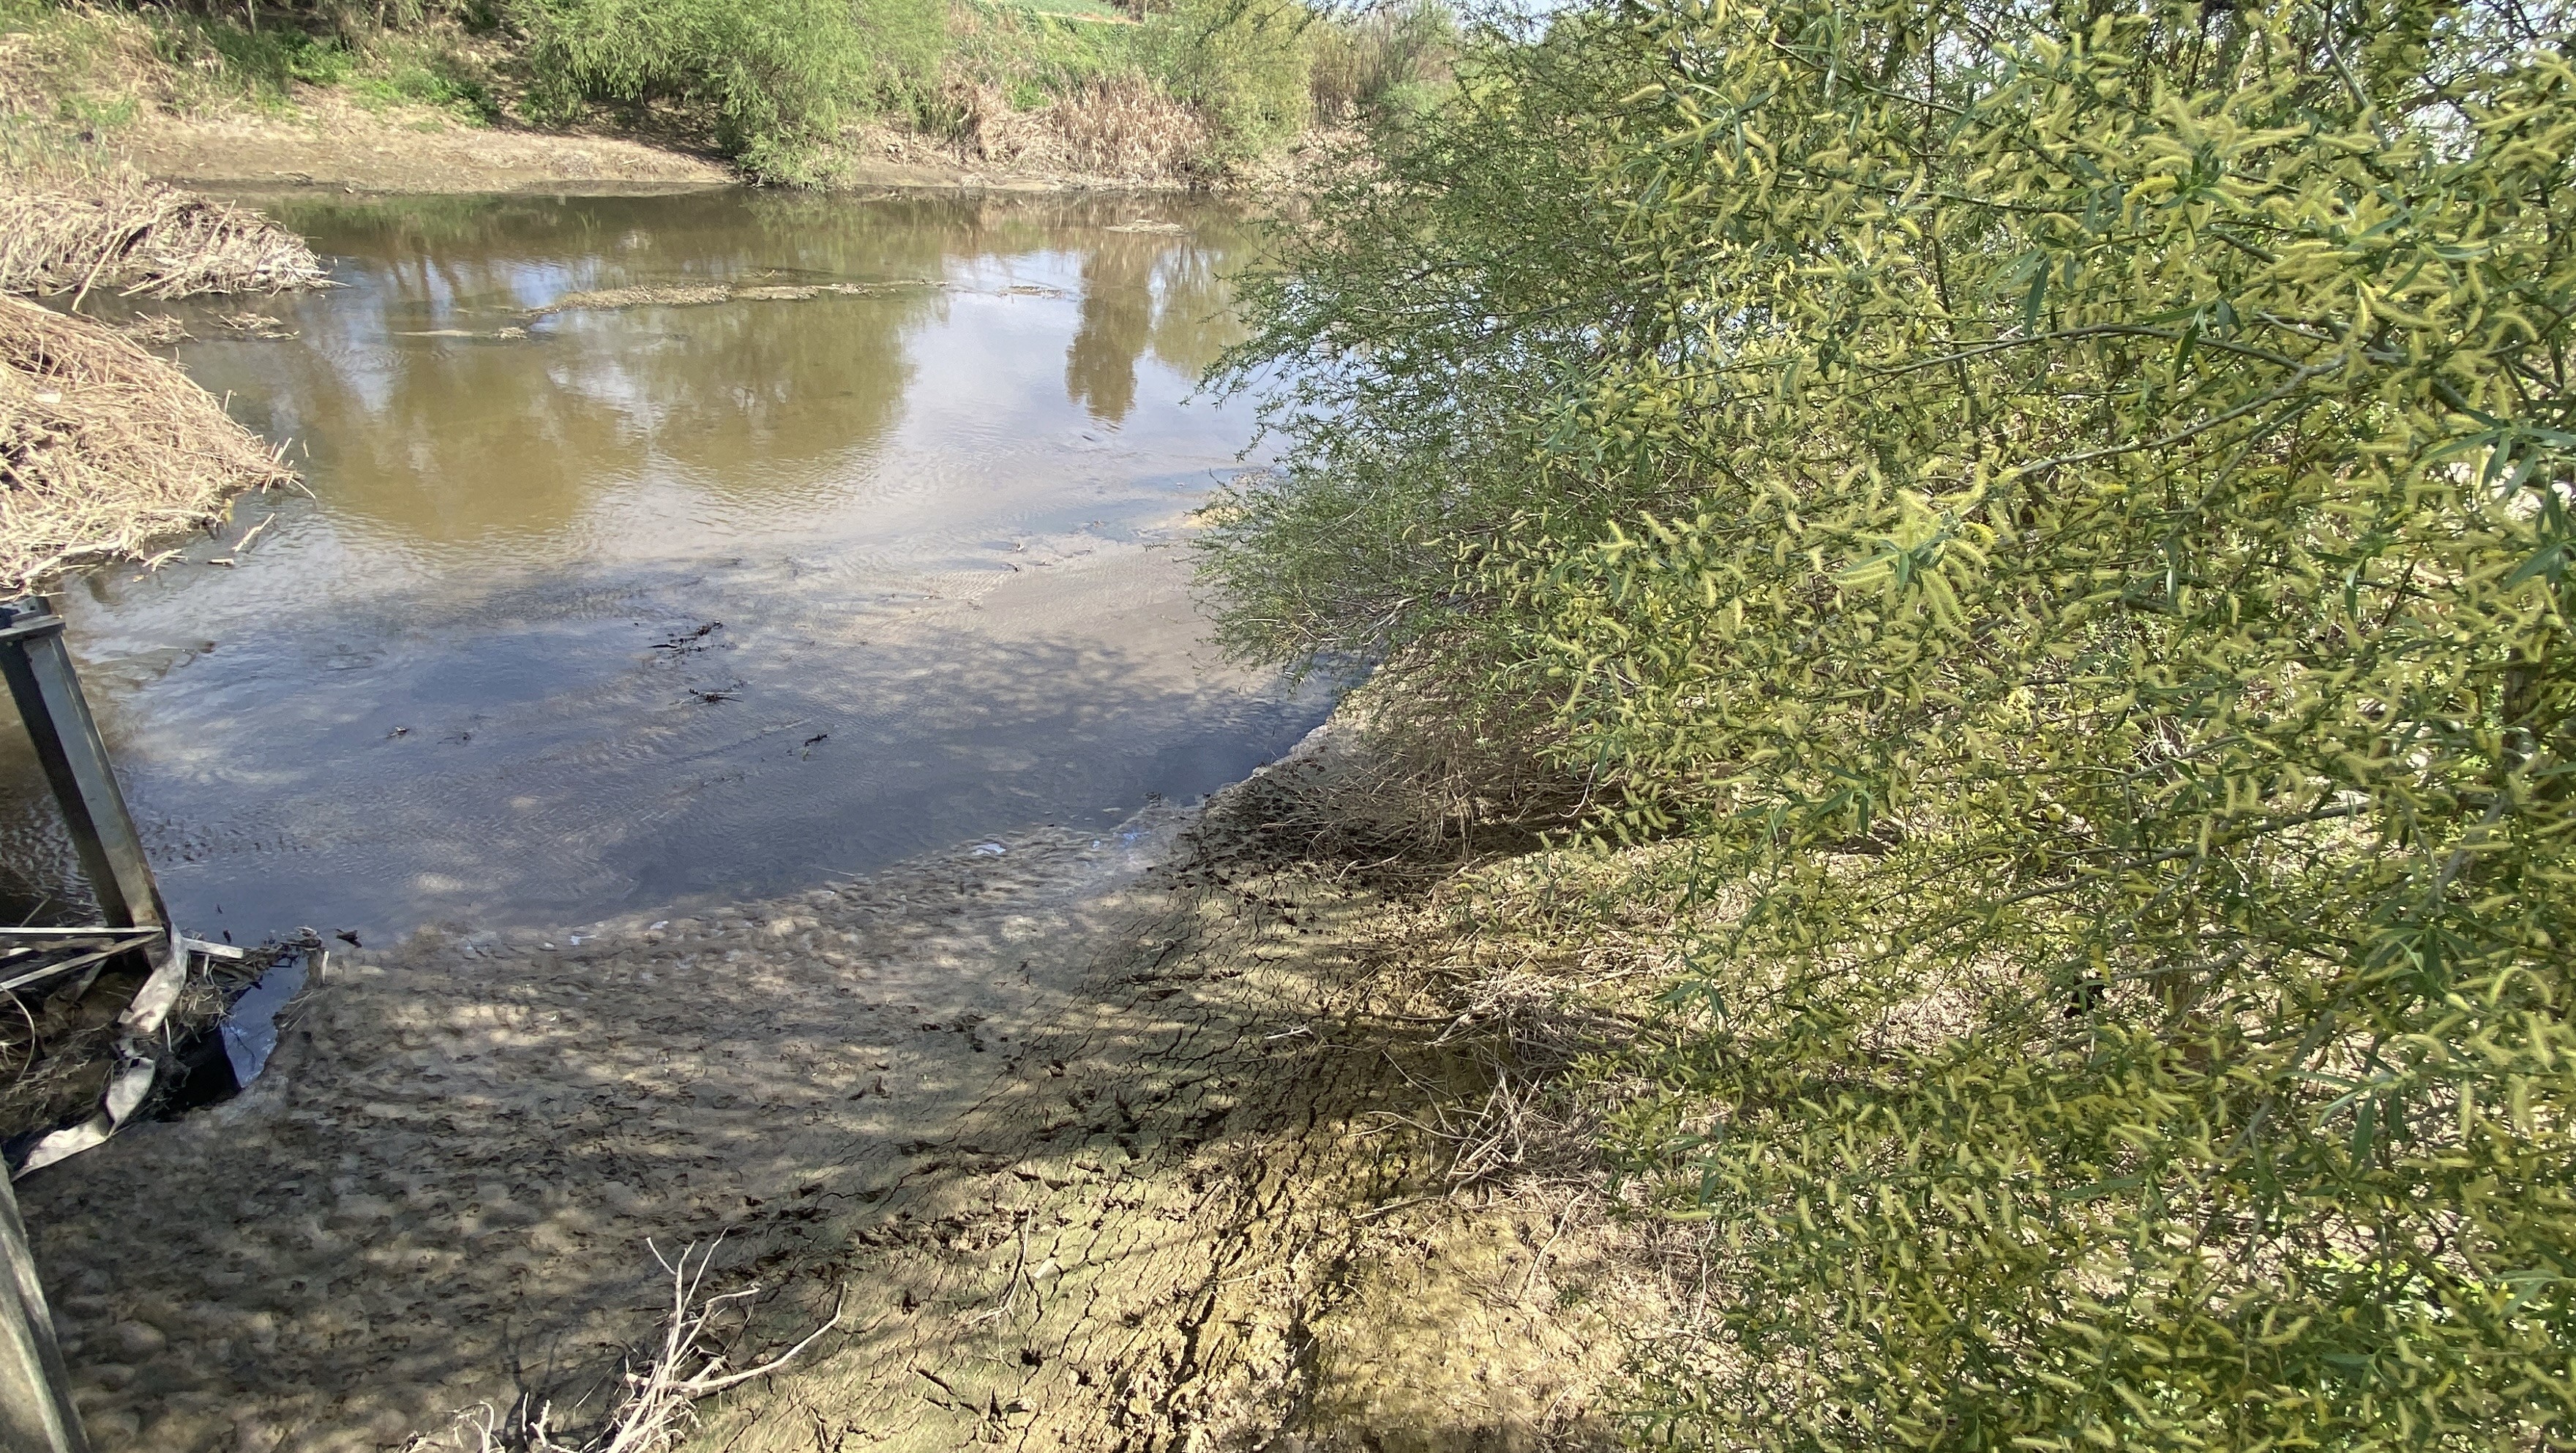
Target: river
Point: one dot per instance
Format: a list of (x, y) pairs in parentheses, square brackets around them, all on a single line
[(609, 607)]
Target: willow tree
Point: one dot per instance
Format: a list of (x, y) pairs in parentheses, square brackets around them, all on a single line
[(2068, 506)]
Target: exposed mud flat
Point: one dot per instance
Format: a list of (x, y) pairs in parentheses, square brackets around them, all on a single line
[(335, 143), (1101, 1137)]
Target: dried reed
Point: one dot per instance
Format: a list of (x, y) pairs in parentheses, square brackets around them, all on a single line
[(1118, 128), (105, 448), (70, 230), (688, 295), (1127, 128)]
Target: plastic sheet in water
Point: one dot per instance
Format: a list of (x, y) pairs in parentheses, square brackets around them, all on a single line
[(250, 1029)]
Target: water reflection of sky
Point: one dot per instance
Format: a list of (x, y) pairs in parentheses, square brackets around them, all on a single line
[(938, 521)]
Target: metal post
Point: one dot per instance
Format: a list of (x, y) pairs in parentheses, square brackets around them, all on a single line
[(49, 699), (36, 1412)]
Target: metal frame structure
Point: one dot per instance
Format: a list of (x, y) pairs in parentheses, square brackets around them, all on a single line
[(68, 746), (36, 1411)]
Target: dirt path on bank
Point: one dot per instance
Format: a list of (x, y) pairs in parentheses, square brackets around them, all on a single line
[(329, 141), (1105, 1141)]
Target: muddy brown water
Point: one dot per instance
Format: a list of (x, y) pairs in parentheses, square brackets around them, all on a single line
[(613, 607)]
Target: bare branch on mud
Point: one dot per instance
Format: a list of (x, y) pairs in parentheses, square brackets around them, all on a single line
[(659, 1405)]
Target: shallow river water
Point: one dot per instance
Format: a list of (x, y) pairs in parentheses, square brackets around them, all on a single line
[(603, 608)]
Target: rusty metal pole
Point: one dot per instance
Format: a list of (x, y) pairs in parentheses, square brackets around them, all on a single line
[(48, 693), (36, 1412)]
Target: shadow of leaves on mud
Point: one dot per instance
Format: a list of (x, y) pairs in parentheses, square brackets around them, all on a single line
[(1100, 1162)]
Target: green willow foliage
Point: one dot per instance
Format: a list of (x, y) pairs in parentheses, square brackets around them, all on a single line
[(1243, 64), (772, 78), (2069, 508)]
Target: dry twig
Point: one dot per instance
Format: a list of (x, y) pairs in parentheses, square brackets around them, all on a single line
[(660, 1400)]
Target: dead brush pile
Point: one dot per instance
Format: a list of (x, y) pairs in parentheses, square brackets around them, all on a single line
[(1428, 781), (1119, 128), (1127, 128), (109, 226), (105, 448), (658, 1407)]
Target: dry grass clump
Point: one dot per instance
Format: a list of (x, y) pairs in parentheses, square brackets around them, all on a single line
[(679, 296), (1119, 127), (1127, 128), (72, 229), (104, 448)]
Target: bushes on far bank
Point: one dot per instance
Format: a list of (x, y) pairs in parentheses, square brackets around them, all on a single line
[(1245, 64), (775, 85), (774, 78), (1381, 62)]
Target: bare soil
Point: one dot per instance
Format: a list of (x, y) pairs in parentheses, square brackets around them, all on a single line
[(331, 142), (1107, 1142)]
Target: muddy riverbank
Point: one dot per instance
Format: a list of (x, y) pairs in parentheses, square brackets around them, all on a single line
[(1107, 1142), (434, 109), (333, 143)]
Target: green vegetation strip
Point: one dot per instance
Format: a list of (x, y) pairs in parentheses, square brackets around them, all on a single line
[(788, 90), (2060, 525)]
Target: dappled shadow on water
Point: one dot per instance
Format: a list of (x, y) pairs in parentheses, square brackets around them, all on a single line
[(559, 752)]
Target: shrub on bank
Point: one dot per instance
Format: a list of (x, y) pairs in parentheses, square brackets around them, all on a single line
[(772, 84), (2069, 519), (774, 78), (1382, 61), (1244, 64)]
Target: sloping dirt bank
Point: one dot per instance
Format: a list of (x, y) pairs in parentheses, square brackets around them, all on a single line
[(331, 142), (1108, 1142)]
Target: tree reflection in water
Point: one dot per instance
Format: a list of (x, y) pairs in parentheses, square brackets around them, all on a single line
[(442, 685)]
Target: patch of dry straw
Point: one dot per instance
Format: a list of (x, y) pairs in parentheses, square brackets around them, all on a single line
[(104, 448), (114, 228), (1121, 128)]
